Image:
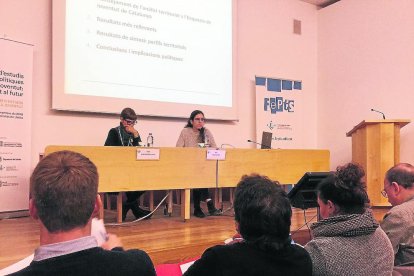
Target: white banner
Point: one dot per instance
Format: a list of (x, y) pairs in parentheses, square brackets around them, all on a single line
[(16, 68), (279, 110)]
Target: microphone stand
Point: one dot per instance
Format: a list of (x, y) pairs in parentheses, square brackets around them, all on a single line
[(383, 115), (217, 188), (267, 147)]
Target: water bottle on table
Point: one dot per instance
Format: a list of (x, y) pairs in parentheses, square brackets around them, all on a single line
[(206, 141), (150, 140)]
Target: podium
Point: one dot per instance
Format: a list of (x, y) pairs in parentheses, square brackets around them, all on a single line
[(376, 147)]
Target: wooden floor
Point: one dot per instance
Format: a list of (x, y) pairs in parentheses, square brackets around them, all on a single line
[(165, 239)]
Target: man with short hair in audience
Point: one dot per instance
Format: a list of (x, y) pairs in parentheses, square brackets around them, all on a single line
[(398, 223), (263, 217), (64, 199)]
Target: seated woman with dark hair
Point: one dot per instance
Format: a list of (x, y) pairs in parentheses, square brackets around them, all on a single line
[(263, 217), (195, 134), (348, 239)]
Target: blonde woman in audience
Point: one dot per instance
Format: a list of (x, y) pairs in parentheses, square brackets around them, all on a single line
[(348, 239)]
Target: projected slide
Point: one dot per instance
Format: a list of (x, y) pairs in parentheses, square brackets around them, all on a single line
[(168, 51)]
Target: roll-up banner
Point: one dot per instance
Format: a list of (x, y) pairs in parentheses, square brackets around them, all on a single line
[(279, 111), (16, 70)]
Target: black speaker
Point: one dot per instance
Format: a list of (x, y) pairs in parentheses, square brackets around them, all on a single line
[(304, 193)]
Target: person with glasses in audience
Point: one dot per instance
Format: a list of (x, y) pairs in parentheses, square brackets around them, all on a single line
[(195, 134), (348, 239), (398, 222), (126, 135)]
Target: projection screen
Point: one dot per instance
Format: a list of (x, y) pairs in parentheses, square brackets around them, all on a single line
[(160, 57)]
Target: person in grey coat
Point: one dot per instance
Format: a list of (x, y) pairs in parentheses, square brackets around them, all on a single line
[(348, 239), (398, 223)]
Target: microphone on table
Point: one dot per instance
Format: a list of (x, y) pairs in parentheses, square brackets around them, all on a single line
[(263, 146), (383, 116), (130, 139)]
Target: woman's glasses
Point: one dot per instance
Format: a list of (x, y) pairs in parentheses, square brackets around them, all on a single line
[(130, 122), (199, 119)]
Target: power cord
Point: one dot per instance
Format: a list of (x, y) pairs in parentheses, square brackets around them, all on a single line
[(306, 224), (141, 218)]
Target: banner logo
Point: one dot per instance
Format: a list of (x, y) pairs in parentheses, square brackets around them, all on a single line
[(278, 104)]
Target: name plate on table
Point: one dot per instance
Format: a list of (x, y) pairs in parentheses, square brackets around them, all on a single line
[(216, 154), (148, 154)]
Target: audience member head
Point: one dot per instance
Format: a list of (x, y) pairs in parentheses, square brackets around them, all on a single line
[(64, 189), (399, 183), (262, 212), (343, 192)]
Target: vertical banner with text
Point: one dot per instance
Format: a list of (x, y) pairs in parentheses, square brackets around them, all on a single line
[(16, 68), (278, 111)]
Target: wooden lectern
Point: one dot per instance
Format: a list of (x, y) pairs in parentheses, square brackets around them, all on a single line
[(376, 147)]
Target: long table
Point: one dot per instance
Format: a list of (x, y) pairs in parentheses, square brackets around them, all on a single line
[(187, 168)]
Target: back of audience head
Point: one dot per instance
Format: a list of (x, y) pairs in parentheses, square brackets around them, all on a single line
[(262, 212), (64, 188), (343, 192), (402, 173), (399, 183)]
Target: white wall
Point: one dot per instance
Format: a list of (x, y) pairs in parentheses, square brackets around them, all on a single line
[(266, 47), (365, 60)]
